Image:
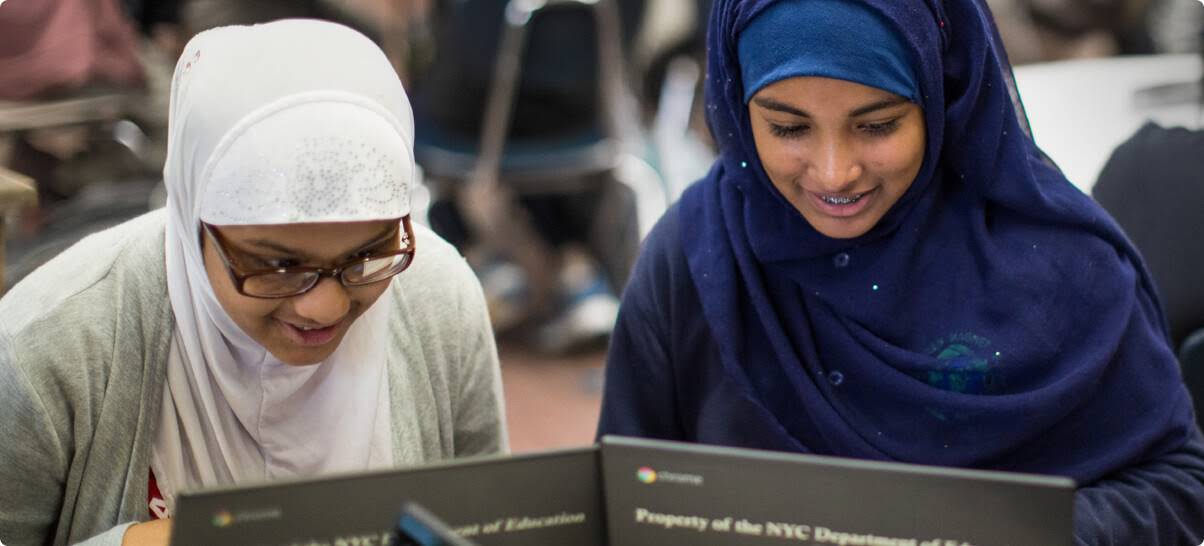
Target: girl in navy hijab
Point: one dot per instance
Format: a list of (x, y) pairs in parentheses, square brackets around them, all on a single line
[(883, 265)]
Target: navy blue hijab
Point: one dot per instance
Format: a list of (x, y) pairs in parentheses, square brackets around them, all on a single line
[(994, 318)]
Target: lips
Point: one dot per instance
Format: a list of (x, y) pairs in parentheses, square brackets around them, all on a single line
[(308, 336)]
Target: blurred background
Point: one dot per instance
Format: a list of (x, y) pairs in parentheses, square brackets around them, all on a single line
[(552, 133)]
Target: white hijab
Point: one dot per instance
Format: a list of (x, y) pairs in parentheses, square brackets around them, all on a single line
[(288, 122)]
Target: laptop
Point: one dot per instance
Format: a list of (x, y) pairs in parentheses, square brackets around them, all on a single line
[(668, 493), (542, 498)]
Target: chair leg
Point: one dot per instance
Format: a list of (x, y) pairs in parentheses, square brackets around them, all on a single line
[(615, 237), (501, 223), (492, 208)]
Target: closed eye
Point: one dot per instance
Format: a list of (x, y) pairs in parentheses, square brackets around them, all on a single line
[(276, 263), (376, 250), (365, 254), (788, 131), (387, 243), (879, 129)]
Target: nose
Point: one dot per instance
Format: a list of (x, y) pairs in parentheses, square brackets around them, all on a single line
[(327, 303), (835, 167)]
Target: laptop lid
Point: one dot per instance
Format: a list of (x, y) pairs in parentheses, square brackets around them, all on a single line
[(668, 493), (543, 498)]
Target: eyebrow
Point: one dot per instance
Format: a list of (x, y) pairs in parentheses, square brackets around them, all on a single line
[(272, 245), (770, 104)]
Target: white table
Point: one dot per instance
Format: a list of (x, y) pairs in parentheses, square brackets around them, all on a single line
[(1082, 110)]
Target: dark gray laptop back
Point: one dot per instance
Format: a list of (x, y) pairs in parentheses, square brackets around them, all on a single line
[(634, 492), (671, 494), (546, 498)]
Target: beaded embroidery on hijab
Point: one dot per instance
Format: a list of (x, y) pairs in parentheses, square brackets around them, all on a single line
[(318, 130)]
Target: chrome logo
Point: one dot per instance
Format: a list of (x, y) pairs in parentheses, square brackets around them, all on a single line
[(646, 475), (222, 519)]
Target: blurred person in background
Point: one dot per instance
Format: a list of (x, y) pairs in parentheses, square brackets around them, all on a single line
[(1153, 185), (1049, 30), (281, 317), (57, 50), (882, 265), (53, 48), (1176, 26), (200, 15), (159, 21)]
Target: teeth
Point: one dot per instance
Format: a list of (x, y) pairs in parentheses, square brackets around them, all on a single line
[(841, 200)]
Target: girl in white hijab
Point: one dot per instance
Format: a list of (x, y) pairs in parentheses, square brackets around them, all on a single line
[(299, 340)]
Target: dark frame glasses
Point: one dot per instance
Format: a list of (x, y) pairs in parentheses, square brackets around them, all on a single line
[(286, 282)]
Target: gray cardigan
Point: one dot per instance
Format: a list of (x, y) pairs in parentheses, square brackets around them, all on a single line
[(83, 347)]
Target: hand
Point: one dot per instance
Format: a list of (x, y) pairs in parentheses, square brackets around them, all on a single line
[(150, 533)]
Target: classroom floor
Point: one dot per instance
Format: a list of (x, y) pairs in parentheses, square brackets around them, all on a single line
[(551, 402)]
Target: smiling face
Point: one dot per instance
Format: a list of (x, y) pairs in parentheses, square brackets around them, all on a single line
[(840, 152), (303, 329)]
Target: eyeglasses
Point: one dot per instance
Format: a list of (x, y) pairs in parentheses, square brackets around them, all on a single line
[(284, 282)]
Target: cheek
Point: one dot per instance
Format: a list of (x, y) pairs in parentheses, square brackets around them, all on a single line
[(911, 148), (245, 310), (780, 161), (219, 280), (897, 161), (889, 165), (241, 309), (364, 297)]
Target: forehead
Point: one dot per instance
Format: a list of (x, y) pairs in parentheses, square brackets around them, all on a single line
[(310, 236), (818, 94)]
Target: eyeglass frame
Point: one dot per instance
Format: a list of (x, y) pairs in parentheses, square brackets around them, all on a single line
[(239, 278)]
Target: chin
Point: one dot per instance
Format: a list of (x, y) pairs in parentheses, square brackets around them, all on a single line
[(841, 232), (302, 357)]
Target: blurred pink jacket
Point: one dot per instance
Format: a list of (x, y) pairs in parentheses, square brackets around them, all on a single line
[(60, 45)]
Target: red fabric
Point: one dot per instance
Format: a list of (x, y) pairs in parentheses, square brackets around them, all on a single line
[(155, 505)]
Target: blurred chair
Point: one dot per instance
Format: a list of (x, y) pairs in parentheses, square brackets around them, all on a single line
[(548, 115), (63, 128), (71, 82), (91, 165), (1191, 359)]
